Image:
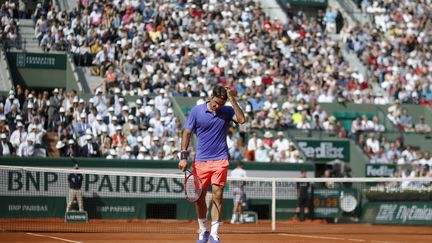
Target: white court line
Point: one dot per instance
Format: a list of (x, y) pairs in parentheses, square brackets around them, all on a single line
[(314, 237), (334, 238), (53, 237), (380, 241)]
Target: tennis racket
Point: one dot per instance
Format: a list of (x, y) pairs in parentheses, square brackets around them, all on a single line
[(192, 186)]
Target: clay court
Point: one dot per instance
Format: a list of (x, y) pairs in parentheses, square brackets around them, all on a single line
[(184, 231)]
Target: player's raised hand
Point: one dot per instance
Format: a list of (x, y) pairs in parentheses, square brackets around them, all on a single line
[(230, 92)]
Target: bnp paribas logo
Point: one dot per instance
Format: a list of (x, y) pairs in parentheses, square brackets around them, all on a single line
[(20, 60)]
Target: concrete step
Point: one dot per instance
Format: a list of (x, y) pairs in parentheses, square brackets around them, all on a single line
[(25, 22), (27, 32)]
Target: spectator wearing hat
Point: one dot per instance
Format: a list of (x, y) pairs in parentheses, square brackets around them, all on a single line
[(61, 148), (157, 123), (132, 138), (123, 117), (112, 126), (91, 149), (10, 101), (157, 145), (127, 154), (129, 125), (150, 109), (98, 125), (54, 104), (29, 114), (26, 148), (71, 149), (110, 114), (135, 111), (6, 148), (143, 154), (268, 140), (11, 116), (91, 117), (142, 121), (82, 125), (37, 130), (118, 139), (169, 149), (281, 144), (18, 136), (162, 101), (148, 138), (61, 119), (100, 139)]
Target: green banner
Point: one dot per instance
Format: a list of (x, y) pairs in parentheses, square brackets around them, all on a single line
[(76, 216), (19, 207), (36, 60), (416, 213), (326, 203), (380, 170), (325, 150), (35, 194)]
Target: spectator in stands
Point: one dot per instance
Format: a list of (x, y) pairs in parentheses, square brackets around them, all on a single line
[(6, 148), (422, 127), (372, 143), (18, 136), (61, 148), (262, 154), (253, 144), (90, 149), (26, 148), (406, 122)]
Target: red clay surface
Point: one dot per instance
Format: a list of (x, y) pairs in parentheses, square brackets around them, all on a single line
[(184, 231)]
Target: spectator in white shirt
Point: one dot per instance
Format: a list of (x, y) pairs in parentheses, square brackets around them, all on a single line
[(281, 144), (253, 144), (26, 149), (373, 143), (18, 136), (261, 154)]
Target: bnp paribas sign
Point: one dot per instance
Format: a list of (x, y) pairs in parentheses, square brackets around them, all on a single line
[(325, 150)]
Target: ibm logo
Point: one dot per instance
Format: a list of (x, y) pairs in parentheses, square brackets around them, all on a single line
[(21, 60)]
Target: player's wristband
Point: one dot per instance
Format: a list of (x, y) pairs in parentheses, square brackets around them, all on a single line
[(183, 155)]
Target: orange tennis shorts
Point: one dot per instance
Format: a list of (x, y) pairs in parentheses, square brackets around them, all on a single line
[(212, 172)]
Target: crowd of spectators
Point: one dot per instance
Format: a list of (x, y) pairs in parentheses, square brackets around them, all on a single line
[(138, 45), (396, 48), (168, 49), (8, 24), (98, 127)]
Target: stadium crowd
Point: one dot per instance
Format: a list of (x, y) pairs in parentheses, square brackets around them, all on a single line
[(8, 23), (396, 48), (155, 50)]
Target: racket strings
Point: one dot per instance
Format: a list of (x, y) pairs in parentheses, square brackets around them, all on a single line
[(193, 188)]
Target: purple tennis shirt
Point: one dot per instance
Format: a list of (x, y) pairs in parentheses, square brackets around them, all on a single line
[(211, 130)]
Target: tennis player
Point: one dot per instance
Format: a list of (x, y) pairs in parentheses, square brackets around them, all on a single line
[(210, 122)]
